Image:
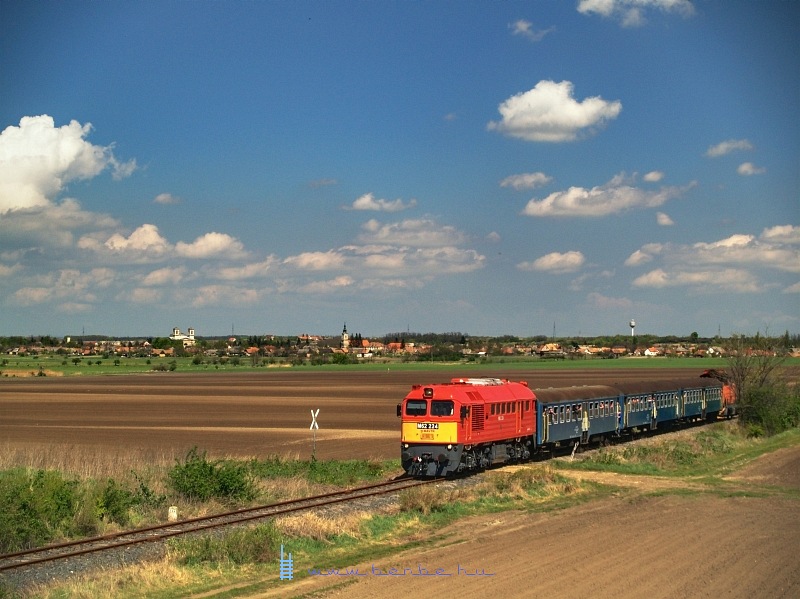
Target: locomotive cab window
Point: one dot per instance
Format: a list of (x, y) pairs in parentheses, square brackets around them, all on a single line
[(441, 408), (416, 407)]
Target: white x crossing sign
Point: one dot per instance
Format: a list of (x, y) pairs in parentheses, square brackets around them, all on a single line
[(314, 419)]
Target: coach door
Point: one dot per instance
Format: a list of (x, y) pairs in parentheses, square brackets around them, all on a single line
[(585, 423), (544, 422)]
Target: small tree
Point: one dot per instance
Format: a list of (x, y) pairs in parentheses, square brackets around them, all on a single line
[(763, 399)]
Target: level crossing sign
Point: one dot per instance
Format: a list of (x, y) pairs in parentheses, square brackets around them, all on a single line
[(314, 427)]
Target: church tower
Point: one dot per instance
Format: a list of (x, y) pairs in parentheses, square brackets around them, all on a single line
[(345, 338)]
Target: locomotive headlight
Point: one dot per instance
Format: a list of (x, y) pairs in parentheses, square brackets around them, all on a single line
[(405, 445), (449, 447)]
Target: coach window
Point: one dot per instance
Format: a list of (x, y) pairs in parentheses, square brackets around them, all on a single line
[(441, 408), (416, 407)]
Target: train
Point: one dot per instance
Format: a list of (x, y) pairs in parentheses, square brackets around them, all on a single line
[(470, 424)]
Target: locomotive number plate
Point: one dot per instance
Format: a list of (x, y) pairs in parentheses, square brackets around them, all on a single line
[(428, 426)]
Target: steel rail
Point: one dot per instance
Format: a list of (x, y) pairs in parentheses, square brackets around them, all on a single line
[(30, 557)]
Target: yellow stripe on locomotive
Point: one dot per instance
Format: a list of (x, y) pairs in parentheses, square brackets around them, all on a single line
[(430, 432)]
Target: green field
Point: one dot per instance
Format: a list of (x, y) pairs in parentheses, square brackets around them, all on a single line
[(97, 365)]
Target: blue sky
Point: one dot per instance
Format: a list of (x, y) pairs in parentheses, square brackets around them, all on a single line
[(483, 167)]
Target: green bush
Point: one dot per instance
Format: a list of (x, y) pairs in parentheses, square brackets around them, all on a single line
[(145, 496), (197, 478), (770, 409), (38, 506), (114, 503)]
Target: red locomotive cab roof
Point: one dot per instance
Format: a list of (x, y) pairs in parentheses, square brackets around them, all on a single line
[(468, 390)]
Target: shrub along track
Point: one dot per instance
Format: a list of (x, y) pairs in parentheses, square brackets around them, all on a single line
[(46, 563)]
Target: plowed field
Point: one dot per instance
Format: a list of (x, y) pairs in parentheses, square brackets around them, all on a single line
[(239, 414)]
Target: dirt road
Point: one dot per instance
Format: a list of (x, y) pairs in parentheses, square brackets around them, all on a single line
[(636, 544)]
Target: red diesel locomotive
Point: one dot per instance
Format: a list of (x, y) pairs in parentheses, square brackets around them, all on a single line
[(465, 425)]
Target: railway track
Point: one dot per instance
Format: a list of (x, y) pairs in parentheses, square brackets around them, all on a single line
[(123, 540)]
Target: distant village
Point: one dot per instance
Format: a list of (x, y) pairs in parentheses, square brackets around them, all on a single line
[(349, 348)]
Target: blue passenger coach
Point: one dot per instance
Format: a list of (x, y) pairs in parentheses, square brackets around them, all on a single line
[(595, 412)]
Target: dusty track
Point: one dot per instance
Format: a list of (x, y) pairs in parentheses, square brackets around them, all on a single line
[(239, 414), (649, 540)]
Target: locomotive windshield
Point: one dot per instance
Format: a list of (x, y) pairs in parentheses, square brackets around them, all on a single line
[(416, 407), (441, 408)]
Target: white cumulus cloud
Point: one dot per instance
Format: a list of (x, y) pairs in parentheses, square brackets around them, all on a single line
[(251, 270), (746, 169), (550, 113), (740, 263), (211, 245), (710, 280), (368, 201), (726, 147), (164, 276), (555, 262), (316, 260), (653, 176), (411, 232), (615, 196), (166, 198), (526, 181), (523, 28), (37, 159), (782, 234), (144, 239), (143, 244), (663, 219), (631, 13)]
